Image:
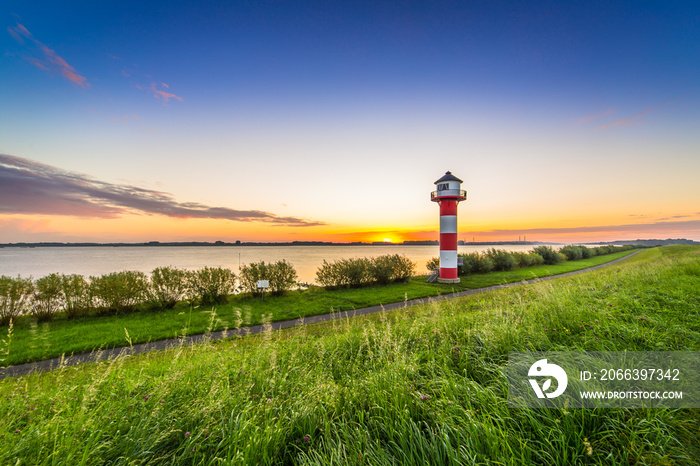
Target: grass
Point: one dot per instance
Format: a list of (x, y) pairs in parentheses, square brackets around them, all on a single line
[(34, 342), (425, 385)]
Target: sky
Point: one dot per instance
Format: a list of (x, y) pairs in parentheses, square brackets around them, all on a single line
[(331, 121)]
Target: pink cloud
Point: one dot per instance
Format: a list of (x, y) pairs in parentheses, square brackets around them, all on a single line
[(28, 187), (625, 120), (591, 117), (166, 96), (47, 59)]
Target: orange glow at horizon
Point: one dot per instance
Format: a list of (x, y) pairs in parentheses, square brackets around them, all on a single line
[(144, 228)]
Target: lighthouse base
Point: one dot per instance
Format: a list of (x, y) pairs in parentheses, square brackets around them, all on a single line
[(448, 280)]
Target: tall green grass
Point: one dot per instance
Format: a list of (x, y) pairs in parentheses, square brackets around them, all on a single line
[(424, 385)]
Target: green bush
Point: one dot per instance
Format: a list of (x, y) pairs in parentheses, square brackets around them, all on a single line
[(326, 274), (391, 268), (77, 296), (525, 259), (433, 264), (358, 272), (281, 275), (168, 286), (535, 259), (344, 272), (382, 269), (212, 285), (48, 297), (250, 274), (354, 272), (404, 268), (15, 296), (585, 252), (119, 292), (502, 260), (572, 253), (549, 255), (475, 263)]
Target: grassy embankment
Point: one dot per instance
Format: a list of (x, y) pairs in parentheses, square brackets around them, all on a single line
[(424, 385), (34, 342)]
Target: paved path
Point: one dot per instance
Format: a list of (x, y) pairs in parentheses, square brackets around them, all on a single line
[(74, 360)]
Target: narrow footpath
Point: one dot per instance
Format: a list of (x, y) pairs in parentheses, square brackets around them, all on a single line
[(124, 351)]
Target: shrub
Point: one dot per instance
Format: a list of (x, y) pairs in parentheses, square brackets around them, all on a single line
[(572, 253), (77, 296), (433, 264), (404, 268), (549, 255), (536, 259), (326, 274), (525, 259), (281, 275), (354, 272), (250, 274), (585, 252), (48, 297), (391, 268), (502, 260), (475, 263), (358, 272), (167, 287), (15, 294), (344, 272), (119, 292), (212, 285), (381, 269)]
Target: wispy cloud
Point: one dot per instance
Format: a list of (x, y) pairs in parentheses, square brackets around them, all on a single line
[(625, 121), (673, 217), (30, 187), (45, 58), (592, 117), (160, 94)]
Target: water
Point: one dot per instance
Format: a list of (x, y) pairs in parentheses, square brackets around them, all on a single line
[(97, 260)]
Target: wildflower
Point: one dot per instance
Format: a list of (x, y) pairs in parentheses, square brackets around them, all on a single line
[(187, 434), (589, 449), (307, 439)]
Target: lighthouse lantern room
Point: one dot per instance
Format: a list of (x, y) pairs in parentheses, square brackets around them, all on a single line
[(448, 195)]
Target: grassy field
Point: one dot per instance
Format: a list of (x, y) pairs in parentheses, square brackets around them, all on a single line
[(32, 342), (425, 385)]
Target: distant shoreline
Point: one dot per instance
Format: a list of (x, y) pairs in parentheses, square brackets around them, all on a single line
[(645, 242), (250, 243)]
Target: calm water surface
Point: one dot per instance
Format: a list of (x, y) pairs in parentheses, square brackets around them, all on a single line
[(98, 260)]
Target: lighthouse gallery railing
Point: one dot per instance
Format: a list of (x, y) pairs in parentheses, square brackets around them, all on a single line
[(449, 193)]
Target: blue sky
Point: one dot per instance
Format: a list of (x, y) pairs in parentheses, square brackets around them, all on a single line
[(558, 115)]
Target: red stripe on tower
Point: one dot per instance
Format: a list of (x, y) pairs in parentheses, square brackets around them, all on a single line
[(448, 195)]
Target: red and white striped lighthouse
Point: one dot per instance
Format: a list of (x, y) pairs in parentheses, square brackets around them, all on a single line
[(448, 195)]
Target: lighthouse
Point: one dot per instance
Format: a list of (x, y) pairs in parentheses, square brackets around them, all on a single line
[(448, 195)]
